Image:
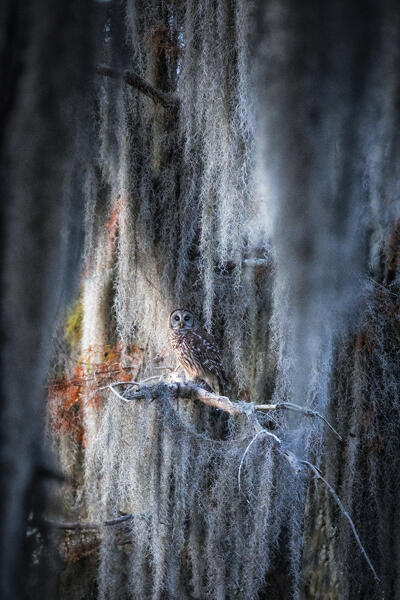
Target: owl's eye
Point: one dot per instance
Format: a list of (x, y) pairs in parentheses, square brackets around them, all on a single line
[(176, 317), (187, 318)]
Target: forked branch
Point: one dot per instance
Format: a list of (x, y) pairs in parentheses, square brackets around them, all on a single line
[(344, 512), (138, 391), (297, 465)]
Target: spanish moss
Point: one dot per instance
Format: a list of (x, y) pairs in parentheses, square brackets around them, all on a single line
[(237, 160)]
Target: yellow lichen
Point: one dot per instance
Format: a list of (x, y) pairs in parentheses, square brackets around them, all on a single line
[(73, 326)]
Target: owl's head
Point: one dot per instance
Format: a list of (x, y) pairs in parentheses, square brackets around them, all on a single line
[(182, 319)]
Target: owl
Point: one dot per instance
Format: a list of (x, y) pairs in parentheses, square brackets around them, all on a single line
[(195, 349)]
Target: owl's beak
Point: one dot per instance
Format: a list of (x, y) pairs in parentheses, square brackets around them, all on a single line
[(181, 324)]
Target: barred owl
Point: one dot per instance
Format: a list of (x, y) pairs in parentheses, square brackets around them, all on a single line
[(195, 350)]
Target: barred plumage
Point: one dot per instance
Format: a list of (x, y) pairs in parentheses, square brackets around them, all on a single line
[(196, 350)]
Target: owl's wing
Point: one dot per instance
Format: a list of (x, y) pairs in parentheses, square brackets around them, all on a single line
[(205, 349)]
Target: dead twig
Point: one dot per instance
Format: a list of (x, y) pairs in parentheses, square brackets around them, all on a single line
[(158, 96), (261, 431), (110, 387), (344, 512), (300, 409), (105, 387), (80, 525), (192, 390), (297, 464)]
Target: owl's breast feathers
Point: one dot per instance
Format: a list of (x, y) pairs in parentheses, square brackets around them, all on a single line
[(197, 354)]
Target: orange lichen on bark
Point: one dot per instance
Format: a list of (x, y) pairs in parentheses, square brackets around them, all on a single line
[(67, 395), (75, 546), (163, 41)]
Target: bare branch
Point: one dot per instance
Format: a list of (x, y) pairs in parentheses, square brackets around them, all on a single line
[(80, 525), (261, 431), (297, 464), (158, 96), (117, 394), (152, 378), (114, 383), (196, 392), (256, 262), (338, 501), (110, 522), (297, 408), (192, 390)]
